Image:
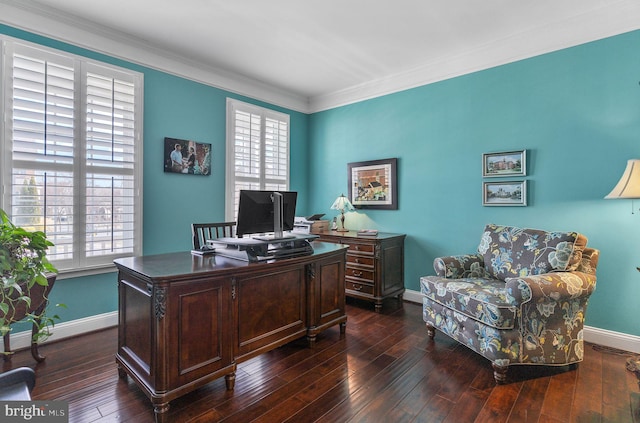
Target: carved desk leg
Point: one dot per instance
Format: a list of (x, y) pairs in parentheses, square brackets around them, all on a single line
[(311, 340), (343, 328), (161, 411), (230, 381)]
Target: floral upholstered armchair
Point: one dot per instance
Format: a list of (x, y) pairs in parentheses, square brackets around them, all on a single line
[(521, 299)]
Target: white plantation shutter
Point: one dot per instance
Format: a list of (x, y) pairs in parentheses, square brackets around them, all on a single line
[(73, 156), (110, 159), (257, 151)]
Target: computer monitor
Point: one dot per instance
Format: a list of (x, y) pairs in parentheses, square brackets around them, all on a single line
[(258, 212)]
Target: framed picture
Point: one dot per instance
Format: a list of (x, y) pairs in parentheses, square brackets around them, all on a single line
[(187, 157), (504, 193), (509, 163), (373, 184)]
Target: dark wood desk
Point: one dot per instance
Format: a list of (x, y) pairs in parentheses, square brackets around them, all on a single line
[(185, 320)]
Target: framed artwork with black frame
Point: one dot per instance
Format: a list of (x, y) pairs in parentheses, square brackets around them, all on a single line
[(373, 184), (187, 157)]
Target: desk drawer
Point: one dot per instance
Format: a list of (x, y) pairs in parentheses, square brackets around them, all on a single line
[(363, 288), (359, 273), (361, 248), (360, 260)]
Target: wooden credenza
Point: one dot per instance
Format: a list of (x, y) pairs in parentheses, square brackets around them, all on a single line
[(185, 320), (375, 265)]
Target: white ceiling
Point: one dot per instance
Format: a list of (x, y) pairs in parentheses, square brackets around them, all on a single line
[(311, 55)]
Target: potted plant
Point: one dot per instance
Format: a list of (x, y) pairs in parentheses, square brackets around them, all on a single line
[(27, 278)]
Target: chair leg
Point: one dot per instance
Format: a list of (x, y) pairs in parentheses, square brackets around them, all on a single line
[(431, 331), (500, 373)]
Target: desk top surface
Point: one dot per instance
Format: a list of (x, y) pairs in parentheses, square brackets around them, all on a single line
[(184, 263)]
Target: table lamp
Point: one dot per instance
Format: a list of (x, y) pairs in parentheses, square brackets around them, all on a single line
[(342, 203), (628, 187)]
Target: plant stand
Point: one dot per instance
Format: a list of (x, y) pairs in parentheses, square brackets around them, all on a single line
[(39, 301)]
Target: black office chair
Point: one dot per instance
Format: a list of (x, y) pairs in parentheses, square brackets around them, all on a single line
[(17, 384), (203, 231)]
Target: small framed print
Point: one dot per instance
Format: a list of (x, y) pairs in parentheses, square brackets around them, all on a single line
[(508, 163), (504, 193), (373, 184)]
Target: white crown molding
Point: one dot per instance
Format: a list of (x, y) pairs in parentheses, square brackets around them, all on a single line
[(48, 22), (612, 18), (607, 21)]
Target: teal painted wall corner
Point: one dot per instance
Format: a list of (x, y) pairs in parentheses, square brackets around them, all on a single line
[(575, 111)]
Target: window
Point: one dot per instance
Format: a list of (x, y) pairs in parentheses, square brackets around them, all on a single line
[(257, 151), (72, 153)]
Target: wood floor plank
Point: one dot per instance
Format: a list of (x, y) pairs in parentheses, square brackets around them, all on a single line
[(385, 368), (560, 394), (528, 405)]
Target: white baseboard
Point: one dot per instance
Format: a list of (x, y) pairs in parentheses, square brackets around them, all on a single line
[(607, 338), (22, 340), (63, 330)]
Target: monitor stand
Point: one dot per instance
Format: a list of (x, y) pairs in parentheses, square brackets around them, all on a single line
[(273, 238), (253, 250)]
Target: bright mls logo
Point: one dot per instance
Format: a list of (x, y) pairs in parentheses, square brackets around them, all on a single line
[(34, 411)]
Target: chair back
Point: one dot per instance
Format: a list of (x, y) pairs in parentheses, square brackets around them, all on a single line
[(203, 231)]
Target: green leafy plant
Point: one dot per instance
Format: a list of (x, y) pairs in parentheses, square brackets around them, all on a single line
[(24, 268)]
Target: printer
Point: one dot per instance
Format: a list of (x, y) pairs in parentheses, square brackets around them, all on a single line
[(309, 225)]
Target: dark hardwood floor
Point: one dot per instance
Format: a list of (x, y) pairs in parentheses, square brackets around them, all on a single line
[(385, 369)]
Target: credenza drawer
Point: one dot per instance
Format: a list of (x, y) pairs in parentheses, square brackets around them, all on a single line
[(359, 273), (361, 248), (363, 288), (360, 260)]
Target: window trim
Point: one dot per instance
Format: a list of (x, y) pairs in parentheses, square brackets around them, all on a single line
[(264, 113), (85, 265)]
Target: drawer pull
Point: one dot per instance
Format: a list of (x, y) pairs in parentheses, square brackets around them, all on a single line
[(357, 274), (357, 286), (357, 260), (356, 247)]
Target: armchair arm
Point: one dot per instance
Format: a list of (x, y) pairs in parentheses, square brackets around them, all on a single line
[(555, 286), (460, 266)]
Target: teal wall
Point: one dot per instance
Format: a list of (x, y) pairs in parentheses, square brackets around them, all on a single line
[(575, 111), (179, 108)]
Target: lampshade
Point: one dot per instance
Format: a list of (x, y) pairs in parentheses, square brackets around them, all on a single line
[(629, 184), (342, 203)]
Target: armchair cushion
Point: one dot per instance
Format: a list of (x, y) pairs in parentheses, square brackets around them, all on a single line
[(486, 300), (515, 252)]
